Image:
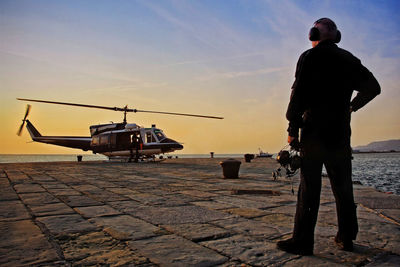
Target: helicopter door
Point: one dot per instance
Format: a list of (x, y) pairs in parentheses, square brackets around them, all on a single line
[(113, 141), (123, 141), (135, 139), (105, 142)]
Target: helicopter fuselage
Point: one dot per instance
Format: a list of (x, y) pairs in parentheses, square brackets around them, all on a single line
[(125, 140), (115, 140)]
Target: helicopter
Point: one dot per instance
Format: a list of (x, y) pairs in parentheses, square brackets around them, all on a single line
[(114, 140)]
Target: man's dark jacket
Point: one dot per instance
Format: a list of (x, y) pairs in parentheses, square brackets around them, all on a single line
[(326, 77)]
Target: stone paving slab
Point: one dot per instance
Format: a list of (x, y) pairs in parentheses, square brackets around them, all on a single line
[(23, 244), (180, 212), (126, 206), (393, 214), (172, 250), (51, 209), (284, 221), (380, 201), (4, 181), (253, 228), (28, 188), (213, 205), (197, 193), (16, 177), (104, 196), (54, 185), (247, 213), (385, 260), (122, 191), (63, 192), (242, 202), (256, 253), (66, 224), (126, 227), (96, 211), (96, 248), (7, 193), (197, 231), (41, 177), (78, 201), (18, 211), (38, 199)]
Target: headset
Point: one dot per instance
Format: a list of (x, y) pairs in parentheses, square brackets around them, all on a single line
[(315, 34)]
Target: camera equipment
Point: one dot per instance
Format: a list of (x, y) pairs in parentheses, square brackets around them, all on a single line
[(290, 160)]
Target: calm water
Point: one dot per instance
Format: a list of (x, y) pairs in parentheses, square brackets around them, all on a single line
[(379, 170), (15, 158)]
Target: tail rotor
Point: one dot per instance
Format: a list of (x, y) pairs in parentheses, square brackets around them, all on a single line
[(28, 108)]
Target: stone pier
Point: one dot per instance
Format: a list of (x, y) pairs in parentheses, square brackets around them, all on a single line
[(179, 212)]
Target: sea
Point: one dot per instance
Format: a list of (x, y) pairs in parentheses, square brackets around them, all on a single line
[(378, 170)]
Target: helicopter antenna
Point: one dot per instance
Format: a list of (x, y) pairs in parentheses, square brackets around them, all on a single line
[(124, 109)]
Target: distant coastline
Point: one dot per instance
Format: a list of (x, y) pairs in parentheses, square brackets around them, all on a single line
[(374, 152), (387, 146)]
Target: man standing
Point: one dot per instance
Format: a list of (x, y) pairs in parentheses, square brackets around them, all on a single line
[(321, 105)]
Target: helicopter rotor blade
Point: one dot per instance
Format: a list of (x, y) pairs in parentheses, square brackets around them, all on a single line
[(28, 108), (77, 105), (124, 109), (20, 129), (180, 114)]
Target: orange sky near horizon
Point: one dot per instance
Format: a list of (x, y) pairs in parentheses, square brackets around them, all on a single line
[(203, 57)]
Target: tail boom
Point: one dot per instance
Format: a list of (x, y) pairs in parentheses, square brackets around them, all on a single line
[(79, 142)]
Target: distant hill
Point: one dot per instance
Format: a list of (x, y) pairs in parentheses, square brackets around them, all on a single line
[(387, 145)]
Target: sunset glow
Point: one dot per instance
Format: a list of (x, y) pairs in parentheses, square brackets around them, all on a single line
[(234, 59)]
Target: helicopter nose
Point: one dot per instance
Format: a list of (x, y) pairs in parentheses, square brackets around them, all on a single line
[(172, 144), (178, 146)]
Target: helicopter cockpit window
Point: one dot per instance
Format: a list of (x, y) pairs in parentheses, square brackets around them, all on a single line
[(159, 135), (150, 138)]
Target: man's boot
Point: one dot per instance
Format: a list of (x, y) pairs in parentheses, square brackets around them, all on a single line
[(344, 244), (295, 247)]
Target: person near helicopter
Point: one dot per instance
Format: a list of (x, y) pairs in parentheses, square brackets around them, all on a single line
[(321, 106)]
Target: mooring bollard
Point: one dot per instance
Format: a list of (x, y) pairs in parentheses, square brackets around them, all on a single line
[(79, 157), (248, 157), (230, 168)]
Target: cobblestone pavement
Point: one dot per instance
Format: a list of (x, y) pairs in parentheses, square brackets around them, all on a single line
[(179, 212)]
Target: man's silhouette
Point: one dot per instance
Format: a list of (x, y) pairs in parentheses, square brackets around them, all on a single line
[(321, 105)]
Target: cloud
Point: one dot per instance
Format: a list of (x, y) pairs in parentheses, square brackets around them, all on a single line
[(215, 59), (200, 22), (238, 74)]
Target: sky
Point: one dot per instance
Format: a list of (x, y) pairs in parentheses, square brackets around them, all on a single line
[(234, 59)]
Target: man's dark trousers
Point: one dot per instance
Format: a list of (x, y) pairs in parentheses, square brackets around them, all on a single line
[(337, 160)]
